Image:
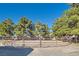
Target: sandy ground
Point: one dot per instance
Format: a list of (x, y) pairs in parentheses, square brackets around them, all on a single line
[(49, 48), (71, 50)]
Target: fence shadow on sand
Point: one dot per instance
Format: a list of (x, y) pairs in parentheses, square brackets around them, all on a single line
[(14, 51)]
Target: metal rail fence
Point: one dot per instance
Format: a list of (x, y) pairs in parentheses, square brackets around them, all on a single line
[(32, 42)]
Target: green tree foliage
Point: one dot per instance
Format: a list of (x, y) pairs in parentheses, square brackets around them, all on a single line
[(22, 26), (6, 27), (2, 32), (41, 29), (68, 24)]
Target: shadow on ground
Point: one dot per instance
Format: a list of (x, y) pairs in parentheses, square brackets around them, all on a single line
[(14, 51)]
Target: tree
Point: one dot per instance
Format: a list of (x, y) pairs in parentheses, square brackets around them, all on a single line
[(23, 26), (2, 32), (68, 24), (74, 4), (41, 29), (7, 27)]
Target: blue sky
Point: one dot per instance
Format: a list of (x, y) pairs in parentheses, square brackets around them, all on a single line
[(43, 12)]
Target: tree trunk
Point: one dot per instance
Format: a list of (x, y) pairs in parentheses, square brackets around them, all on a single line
[(56, 41)]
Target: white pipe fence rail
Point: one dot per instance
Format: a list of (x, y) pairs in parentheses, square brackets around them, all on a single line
[(31, 42)]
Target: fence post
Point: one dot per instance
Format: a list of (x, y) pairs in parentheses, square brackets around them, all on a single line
[(40, 42), (56, 41), (76, 39), (23, 41)]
